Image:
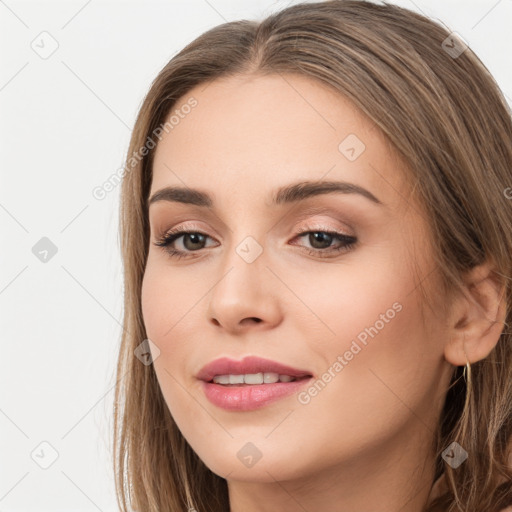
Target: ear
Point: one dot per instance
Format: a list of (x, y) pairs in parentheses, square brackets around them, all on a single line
[(477, 319)]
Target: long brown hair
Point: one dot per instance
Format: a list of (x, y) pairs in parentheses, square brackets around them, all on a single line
[(444, 114)]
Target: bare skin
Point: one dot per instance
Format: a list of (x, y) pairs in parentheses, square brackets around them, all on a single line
[(362, 442)]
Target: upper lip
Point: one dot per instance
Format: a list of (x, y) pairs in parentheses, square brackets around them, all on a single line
[(250, 364)]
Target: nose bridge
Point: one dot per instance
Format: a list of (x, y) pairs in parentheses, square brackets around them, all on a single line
[(241, 290), (244, 262), (246, 241)]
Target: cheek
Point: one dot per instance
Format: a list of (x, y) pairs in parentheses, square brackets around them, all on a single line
[(164, 303), (358, 299), (381, 358), (165, 299), (161, 313), (170, 308), (153, 298), (373, 341)]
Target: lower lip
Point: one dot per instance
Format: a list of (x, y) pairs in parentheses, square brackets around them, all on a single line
[(250, 397)]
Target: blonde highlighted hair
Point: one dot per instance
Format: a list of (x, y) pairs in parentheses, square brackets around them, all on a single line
[(448, 120)]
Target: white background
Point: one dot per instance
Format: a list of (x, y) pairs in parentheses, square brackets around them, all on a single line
[(65, 125)]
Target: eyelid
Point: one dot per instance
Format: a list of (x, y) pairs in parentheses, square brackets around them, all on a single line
[(303, 217), (184, 226), (304, 228), (333, 225)]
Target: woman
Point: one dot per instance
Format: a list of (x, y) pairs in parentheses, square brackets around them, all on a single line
[(316, 231)]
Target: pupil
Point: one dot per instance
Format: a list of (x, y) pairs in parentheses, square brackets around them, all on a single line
[(318, 236), (196, 238)]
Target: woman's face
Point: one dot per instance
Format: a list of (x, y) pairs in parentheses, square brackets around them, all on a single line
[(346, 311)]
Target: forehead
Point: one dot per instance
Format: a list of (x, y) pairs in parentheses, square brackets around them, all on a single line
[(248, 134)]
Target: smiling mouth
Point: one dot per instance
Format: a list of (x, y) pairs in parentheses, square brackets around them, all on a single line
[(255, 379), (239, 387)]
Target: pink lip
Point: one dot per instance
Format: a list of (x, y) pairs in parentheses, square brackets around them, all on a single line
[(251, 364), (249, 397)]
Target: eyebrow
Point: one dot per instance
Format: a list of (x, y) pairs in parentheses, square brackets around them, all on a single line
[(287, 194)]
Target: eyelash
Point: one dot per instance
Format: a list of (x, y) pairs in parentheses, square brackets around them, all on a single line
[(171, 236)]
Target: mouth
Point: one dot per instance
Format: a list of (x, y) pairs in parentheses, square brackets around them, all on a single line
[(251, 371), (254, 379), (251, 383)]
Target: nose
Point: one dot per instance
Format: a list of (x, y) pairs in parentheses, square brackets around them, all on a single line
[(244, 296)]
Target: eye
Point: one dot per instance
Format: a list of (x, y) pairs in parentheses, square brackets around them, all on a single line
[(319, 238), (194, 239)]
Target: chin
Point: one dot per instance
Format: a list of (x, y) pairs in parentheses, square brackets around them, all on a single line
[(266, 469)]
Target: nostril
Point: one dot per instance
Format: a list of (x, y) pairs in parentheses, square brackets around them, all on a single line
[(251, 319)]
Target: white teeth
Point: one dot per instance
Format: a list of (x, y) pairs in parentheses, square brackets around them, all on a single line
[(236, 379), (221, 379), (270, 378), (252, 378)]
